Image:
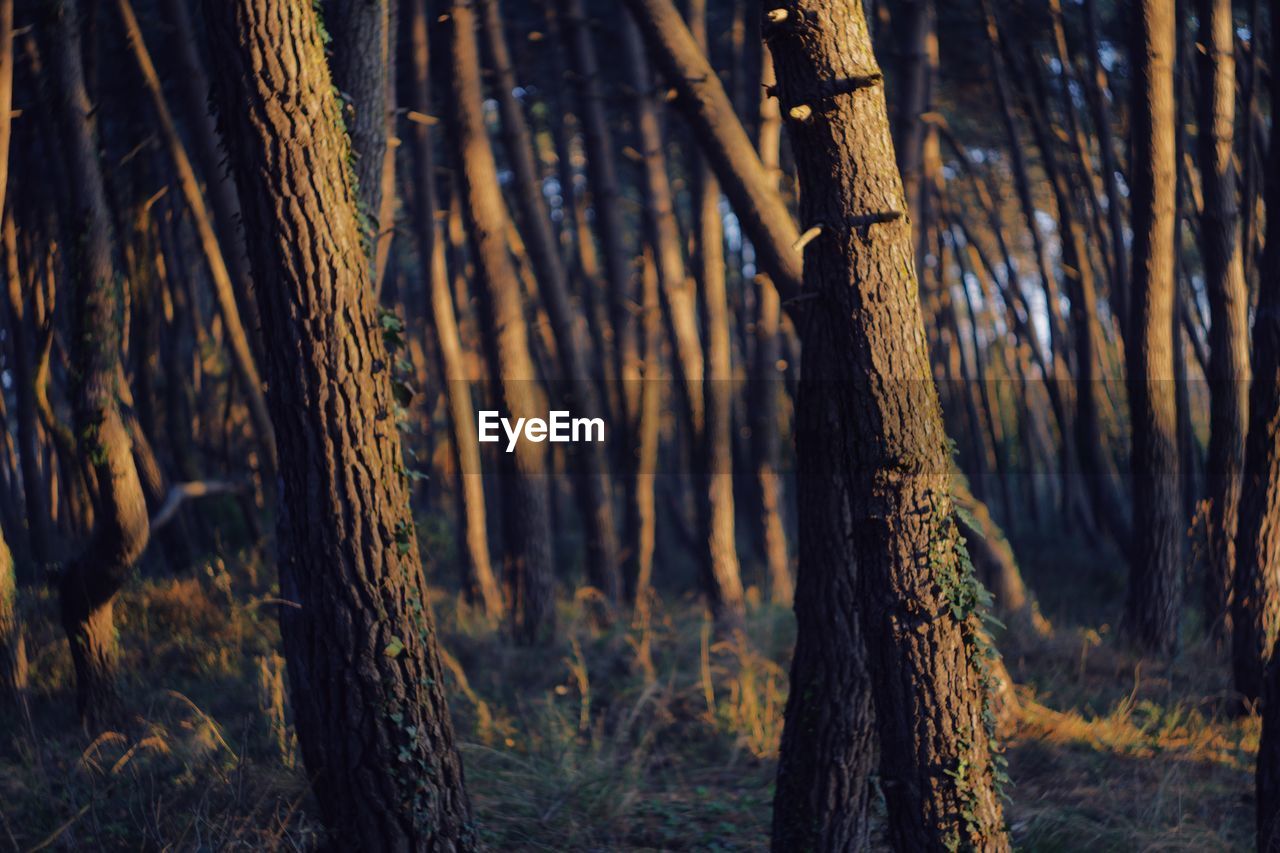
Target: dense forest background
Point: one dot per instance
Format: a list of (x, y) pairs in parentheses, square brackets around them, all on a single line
[(938, 351)]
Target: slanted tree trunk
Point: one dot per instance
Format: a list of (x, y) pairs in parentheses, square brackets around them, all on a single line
[(1228, 303), (871, 445), (593, 483), (749, 187), (366, 682), (1154, 604), (89, 582), (527, 544), (1255, 599), (444, 322)]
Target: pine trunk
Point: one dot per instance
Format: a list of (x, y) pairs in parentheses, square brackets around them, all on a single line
[(873, 448), (364, 669)]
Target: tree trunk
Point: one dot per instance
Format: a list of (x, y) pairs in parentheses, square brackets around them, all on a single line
[(1154, 604), (13, 651), (872, 447), (715, 442), (527, 544), (237, 338), (367, 684), (444, 322), (90, 581), (1228, 303), (1255, 600), (362, 45), (593, 483), (751, 190), (767, 382)]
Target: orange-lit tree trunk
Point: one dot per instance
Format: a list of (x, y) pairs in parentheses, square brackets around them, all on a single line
[(1154, 603), (90, 581), (366, 682), (444, 322), (873, 472), (527, 545)]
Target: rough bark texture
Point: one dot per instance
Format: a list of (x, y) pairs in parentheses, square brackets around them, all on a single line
[(1228, 303), (442, 315), (527, 524), (89, 582), (366, 682), (872, 448), (1154, 603), (1255, 600)]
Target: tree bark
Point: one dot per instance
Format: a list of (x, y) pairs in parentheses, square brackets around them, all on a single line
[(224, 293), (527, 544), (444, 322), (593, 483), (13, 650), (89, 582), (871, 443), (1154, 604), (363, 67), (1228, 303), (364, 669), (1255, 600), (751, 190)]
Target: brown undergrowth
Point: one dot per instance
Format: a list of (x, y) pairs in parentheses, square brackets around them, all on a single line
[(577, 747)]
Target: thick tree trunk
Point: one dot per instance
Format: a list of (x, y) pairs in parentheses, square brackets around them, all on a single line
[(1255, 600), (364, 669), (871, 443), (1228, 303), (527, 544), (593, 484), (444, 322), (90, 581), (1154, 604)]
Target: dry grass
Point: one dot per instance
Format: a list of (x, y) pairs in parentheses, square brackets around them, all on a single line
[(582, 747)]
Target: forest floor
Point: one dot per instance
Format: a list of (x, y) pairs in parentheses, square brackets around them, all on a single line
[(571, 748)]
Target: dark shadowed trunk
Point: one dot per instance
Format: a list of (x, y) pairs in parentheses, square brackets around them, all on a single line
[(1228, 303), (367, 686), (1255, 600), (874, 455), (1154, 603)]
